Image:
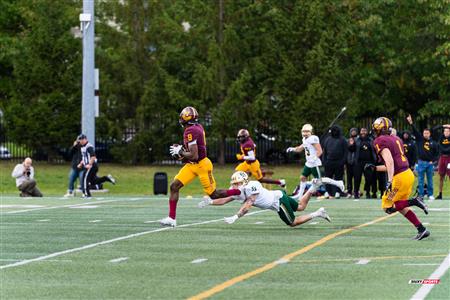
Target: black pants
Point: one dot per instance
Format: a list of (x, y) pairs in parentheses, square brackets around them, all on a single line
[(368, 177), (334, 170), (350, 177), (380, 178), (90, 179)]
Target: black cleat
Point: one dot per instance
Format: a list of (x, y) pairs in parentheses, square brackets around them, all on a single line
[(418, 201), (422, 235), (439, 197)]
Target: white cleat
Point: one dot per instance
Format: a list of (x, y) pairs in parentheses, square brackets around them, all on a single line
[(69, 194), (341, 185), (283, 183), (323, 214), (111, 179), (168, 221)]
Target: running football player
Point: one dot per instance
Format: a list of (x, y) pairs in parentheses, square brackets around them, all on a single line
[(197, 164), (254, 194), (313, 151), (400, 177), (249, 163)]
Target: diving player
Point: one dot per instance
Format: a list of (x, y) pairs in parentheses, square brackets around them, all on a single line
[(197, 164), (249, 162), (400, 177), (313, 151), (254, 194)]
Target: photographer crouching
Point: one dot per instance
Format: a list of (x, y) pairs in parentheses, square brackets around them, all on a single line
[(24, 174)]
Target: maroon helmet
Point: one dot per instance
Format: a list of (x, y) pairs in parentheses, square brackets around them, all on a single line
[(243, 135), (188, 116), (382, 126)]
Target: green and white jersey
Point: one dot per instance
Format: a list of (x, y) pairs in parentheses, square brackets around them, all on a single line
[(265, 199), (311, 153)]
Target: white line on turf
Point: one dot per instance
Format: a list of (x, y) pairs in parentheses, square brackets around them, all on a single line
[(147, 222), (439, 209), (43, 220), (421, 264), (199, 260), (20, 206), (116, 260), (363, 262), (313, 223), (437, 274), (282, 261), (259, 223), (79, 204), (84, 206), (126, 237), (95, 221)]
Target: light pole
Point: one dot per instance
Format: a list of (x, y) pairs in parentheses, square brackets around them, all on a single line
[(87, 26)]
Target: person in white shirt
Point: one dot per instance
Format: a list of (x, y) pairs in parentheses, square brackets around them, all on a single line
[(25, 182), (313, 151), (254, 194)]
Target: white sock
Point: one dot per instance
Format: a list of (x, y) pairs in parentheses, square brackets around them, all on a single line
[(300, 191), (327, 180), (314, 214)]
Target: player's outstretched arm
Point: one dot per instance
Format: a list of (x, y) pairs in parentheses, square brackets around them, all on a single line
[(220, 201), (242, 211), (299, 148)]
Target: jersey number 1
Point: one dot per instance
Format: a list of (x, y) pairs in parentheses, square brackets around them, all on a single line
[(401, 150)]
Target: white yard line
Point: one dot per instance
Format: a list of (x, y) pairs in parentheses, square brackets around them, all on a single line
[(116, 260), (75, 205), (95, 221), (363, 261), (437, 274), (126, 237), (421, 264), (199, 260)]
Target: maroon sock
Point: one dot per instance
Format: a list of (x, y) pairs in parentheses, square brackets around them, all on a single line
[(173, 208), (233, 192), (399, 205), (277, 182), (411, 216)]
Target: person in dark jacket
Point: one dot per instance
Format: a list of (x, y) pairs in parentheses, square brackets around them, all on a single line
[(444, 155), (409, 148), (334, 157), (428, 151), (364, 154), (350, 161), (75, 172)]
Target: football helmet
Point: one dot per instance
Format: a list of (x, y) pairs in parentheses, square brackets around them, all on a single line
[(382, 125), (188, 116), (307, 130), (239, 177), (243, 135)]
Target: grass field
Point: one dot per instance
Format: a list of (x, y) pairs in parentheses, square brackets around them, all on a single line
[(54, 249), (111, 246)]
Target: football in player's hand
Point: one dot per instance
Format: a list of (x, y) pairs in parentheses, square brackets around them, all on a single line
[(175, 151)]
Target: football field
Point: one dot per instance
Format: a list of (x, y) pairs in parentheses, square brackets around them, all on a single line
[(113, 247)]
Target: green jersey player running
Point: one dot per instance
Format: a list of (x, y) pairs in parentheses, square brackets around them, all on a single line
[(313, 151), (254, 194)]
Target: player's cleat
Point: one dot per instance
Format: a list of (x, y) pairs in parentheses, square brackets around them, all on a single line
[(69, 194), (418, 201), (431, 198), (283, 183), (341, 185), (422, 235), (323, 214), (111, 179), (86, 196), (168, 221), (439, 197), (337, 195)]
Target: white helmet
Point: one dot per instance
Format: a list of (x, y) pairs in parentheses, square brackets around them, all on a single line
[(307, 127), (239, 177)]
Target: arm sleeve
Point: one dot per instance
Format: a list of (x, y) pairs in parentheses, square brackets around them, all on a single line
[(250, 156), (18, 171), (416, 133)]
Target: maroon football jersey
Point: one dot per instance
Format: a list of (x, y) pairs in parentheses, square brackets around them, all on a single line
[(247, 146), (195, 134), (395, 146)]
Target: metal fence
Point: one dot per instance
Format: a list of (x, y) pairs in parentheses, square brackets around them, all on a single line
[(269, 150)]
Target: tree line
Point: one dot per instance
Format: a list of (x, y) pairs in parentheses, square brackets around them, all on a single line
[(268, 66)]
